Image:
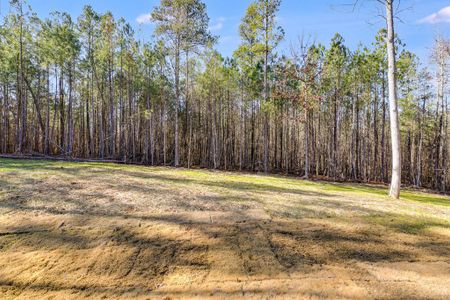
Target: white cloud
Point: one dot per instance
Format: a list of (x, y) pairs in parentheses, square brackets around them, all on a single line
[(442, 16), (217, 25), (144, 18)]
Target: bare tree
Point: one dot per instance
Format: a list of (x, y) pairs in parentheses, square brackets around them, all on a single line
[(393, 103), (394, 191)]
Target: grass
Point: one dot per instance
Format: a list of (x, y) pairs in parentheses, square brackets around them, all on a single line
[(410, 225), (426, 198), (278, 194), (124, 231), (280, 182)]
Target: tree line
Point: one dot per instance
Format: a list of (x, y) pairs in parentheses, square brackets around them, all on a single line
[(89, 88)]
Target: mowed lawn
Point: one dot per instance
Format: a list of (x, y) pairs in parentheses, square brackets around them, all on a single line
[(94, 230)]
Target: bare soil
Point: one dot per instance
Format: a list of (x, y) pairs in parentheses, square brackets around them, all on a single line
[(74, 231)]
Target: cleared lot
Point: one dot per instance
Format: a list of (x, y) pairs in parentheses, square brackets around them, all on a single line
[(74, 230)]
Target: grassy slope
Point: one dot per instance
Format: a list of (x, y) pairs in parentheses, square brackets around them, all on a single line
[(284, 196), (78, 230)]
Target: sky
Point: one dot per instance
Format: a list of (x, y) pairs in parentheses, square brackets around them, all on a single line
[(417, 24)]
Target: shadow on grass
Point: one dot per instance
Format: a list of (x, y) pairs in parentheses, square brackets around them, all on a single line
[(215, 182), (136, 257), (406, 224), (142, 292), (383, 191), (144, 259), (76, 168)]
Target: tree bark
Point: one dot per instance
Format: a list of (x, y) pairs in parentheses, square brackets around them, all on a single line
[(177, 103), (393, 109)]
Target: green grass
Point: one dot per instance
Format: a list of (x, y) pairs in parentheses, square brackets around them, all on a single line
[(407, 224), (426, 198), (278, 195), (223, 181), (406, 194)]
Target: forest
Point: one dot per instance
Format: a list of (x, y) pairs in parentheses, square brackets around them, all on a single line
[(87, 88), (151, 164)]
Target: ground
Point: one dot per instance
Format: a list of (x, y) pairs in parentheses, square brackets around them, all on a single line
[(76, 230)]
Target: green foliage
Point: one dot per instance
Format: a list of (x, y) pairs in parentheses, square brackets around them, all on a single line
[(59, 41), (256, 103), (260, 35), (183, 22)]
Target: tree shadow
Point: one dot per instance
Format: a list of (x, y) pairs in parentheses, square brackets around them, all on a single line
[(117, 251), (138, 257)]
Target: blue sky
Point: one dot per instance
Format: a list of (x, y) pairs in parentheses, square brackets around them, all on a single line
[(419, 20)]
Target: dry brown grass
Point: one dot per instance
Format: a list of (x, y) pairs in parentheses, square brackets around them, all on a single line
[(71, 231)]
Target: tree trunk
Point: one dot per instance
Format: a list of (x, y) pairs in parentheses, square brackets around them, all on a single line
[(354, 136), (418, 181), (112, 137), (375, 137), (62, 130), (177, 102), (47, 116), (393, 109), (383, 131), (266, 91), (70, 115), (306, 133)]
